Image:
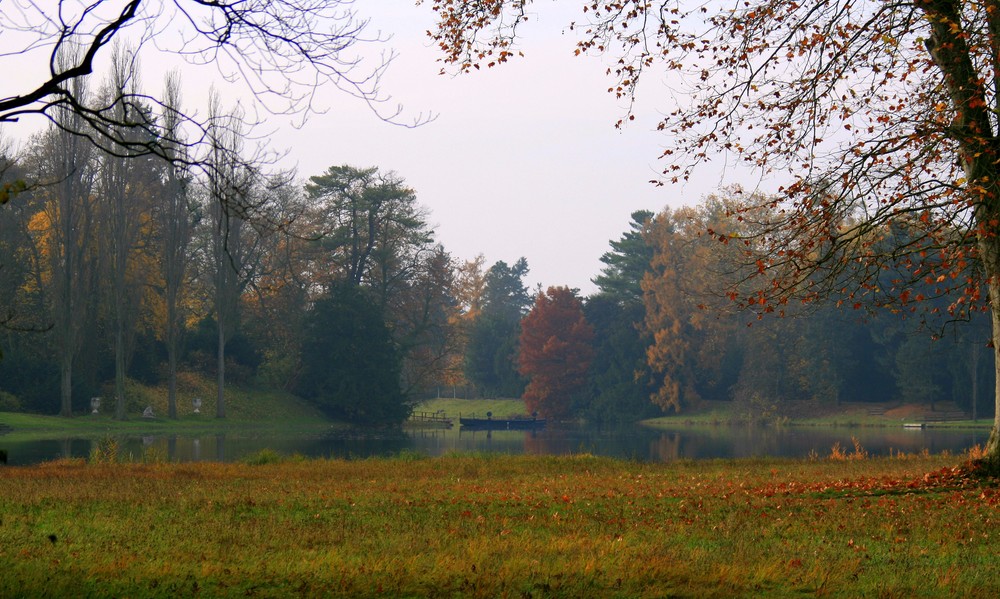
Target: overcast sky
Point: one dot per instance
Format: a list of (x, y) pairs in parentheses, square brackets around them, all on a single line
[(522, 159)]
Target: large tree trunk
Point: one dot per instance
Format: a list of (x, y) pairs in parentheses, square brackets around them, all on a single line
[(993, 444), (220, 400), (66, 384), (978, 148), (119, 371), (171, 360), (989, 247)]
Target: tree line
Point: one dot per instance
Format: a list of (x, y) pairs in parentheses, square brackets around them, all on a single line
[(128, 269), (662, 333), (122, 265), (880, 119)]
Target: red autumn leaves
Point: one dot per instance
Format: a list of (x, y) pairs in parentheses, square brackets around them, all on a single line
[(556, 351)]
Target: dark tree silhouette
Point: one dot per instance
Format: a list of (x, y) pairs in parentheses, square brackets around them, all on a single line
[(350, 367)]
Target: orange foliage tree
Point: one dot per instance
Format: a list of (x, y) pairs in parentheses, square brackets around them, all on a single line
[(555, 352), (689, 329), (871, 112)]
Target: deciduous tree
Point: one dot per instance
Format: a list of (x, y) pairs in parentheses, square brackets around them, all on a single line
[(65, 169), (124, 188), (233, 242), (175, 223), (555, 352), (692, 337)]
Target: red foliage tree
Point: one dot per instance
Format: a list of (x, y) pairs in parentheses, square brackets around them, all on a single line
[(556, 352)]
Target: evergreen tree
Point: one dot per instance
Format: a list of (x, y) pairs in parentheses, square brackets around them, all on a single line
[(350, 367), (491, 354), (627, 262)]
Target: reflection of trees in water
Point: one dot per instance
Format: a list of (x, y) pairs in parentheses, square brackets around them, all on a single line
[(666, 448), (751, 441), (550, 442), (623, 443)]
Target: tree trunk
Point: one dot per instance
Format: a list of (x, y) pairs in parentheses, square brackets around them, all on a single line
[(974, 366), (119, 372), (171, 358), (171, 383), (978, 147), (989, 247), (220, 400), (993, 445), (66, 384)]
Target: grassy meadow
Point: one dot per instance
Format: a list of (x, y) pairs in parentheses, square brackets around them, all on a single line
[(246, 408), (475, 408), (500, 526)]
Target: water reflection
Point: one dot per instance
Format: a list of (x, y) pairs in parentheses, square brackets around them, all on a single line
[(634, 443)]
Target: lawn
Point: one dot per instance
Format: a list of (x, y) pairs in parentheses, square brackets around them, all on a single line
[(500, 526), (246, 408), (809, 413), (501, 408)]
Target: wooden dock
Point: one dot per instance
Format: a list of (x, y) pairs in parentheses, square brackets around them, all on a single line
[(436, 419)]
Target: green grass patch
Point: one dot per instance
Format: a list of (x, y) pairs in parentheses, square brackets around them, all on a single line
[(511, 526), (477, 408), (246, 408), (805, 414)]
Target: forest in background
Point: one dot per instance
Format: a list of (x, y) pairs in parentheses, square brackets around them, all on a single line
[(114, 270)]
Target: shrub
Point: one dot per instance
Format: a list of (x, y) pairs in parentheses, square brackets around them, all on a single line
[(264, 456), (9, 402)]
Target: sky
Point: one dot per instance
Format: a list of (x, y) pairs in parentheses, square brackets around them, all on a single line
[(521, 160)]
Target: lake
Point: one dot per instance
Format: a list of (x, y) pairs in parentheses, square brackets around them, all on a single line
[(631, 442)]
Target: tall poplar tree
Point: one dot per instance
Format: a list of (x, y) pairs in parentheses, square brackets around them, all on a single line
[(65, 164), (233, 243), (175, 223), (124, 188)]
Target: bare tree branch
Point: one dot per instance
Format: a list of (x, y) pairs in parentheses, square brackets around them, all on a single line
[(283, 51)]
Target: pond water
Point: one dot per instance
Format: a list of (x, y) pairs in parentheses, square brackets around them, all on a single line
[(634, 443)]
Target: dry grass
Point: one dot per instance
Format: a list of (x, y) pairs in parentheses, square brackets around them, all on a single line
[(499, 527)]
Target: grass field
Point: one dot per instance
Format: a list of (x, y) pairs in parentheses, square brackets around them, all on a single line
[(500, 526), (245, 408), (805, 414), (501, 408)]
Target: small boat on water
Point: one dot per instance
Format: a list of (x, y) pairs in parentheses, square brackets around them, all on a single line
[(502, 424)]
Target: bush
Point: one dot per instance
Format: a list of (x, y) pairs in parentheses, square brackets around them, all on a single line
[(137, 397), (263, 457), (9, 402)]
